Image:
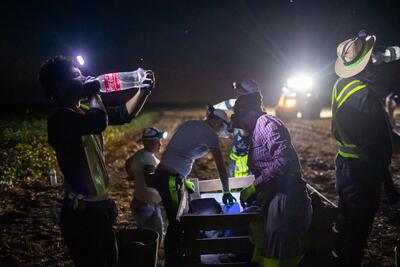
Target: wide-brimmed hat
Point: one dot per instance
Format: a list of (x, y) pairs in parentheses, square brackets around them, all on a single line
[(354, 55)]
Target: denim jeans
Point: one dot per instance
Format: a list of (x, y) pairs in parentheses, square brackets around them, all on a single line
[(148, 216)]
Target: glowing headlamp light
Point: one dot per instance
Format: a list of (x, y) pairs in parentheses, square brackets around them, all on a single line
[(80, 60)]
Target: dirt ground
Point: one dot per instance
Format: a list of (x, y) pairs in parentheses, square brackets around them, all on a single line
[(29, 235)]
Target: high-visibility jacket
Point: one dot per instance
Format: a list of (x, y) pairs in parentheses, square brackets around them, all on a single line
[(96, 163), (360, 124), (240, 167), (352, 93)]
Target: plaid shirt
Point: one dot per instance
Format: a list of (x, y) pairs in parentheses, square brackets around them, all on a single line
[(272, 155)]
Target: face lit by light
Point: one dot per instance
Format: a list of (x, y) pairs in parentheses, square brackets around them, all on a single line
[(80, 60), (301, 82)]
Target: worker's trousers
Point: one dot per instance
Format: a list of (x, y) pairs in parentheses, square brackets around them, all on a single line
[(168, 185), (88, 232), (148, 216), (359, 189)]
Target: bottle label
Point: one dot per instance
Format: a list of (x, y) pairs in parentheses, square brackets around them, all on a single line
[(112, 82)]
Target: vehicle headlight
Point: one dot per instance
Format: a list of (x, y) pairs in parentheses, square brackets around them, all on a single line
[(301, 82), (290, 102)]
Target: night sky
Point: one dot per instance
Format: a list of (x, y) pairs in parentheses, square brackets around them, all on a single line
[(196, 48)]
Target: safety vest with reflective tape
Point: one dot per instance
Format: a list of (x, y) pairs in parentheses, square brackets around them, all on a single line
[(240, 167), (352, 94), (96, 163)]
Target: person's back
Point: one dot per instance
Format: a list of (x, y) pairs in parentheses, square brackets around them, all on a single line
[(134, 166), (192, 140)]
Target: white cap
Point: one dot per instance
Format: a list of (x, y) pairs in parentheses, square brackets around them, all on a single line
[(153, 133), (221, 114)]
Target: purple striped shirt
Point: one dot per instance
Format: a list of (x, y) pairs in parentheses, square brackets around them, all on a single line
[(271, 154)]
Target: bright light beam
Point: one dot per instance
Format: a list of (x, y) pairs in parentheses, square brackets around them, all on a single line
[(301, 82)]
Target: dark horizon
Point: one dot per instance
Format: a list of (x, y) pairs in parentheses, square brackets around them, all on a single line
[(197, 49)]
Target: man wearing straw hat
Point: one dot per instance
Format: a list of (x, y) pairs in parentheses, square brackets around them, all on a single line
[(362, 131)]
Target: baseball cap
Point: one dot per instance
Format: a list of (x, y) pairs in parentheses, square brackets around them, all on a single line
[(154, 133)]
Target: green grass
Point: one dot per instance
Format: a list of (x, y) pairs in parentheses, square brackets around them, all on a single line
[(113, 133), (26, 155)]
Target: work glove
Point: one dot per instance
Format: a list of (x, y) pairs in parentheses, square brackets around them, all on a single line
[(149, 81), (391, 193), (248, 195), (189, 186), (228, 198), (91, 87)]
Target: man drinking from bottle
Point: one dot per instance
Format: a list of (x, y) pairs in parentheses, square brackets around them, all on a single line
[(74, 131)]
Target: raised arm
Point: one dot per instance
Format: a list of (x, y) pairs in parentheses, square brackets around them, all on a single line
[(131, 109)]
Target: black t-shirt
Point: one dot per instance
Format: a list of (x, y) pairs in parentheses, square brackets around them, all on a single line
[(65, 130)]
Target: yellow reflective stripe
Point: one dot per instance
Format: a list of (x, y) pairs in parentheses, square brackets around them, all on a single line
[(96, 169), (84, 106), (345, 88), (334, 91), (358, 88), (291, 262), (241, 164), (347, 150), (173, 191), (233, 156), (341, 143), (347, 155), (100, 165)]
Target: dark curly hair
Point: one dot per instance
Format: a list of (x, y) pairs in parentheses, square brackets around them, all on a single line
[(53, 70)]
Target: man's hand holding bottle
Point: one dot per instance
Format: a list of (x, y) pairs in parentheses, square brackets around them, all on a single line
[(149, 81)]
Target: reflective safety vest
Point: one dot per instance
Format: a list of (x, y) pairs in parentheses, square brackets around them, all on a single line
[(353, 94), (173, 191), (96, 163), (240, 164)]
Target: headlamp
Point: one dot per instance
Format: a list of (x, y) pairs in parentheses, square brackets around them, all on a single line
[(80, 60), (153, 133)]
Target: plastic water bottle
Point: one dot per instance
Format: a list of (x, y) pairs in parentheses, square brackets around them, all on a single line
[(391, 53), (53, 177), (118, 81)]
